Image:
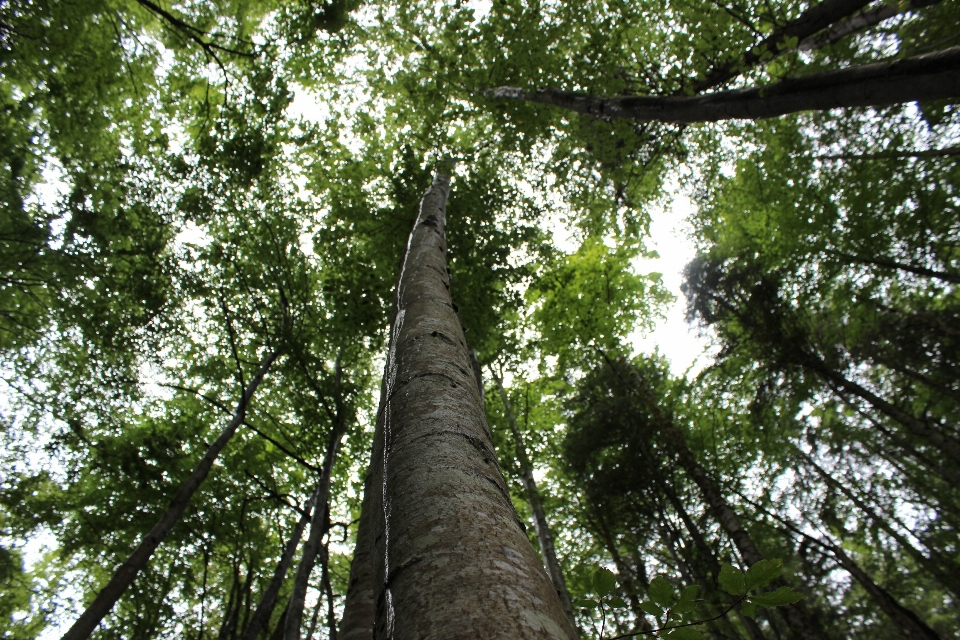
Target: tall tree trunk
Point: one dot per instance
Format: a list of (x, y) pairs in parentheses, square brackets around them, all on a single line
[(931, 76), (801, 623), (942, 568), (949, 445), (358, 611), (451, 555), (126, 572), (906, 621), (269, 598), (319, 524), (704, 550), (544, 536), (328, 592)]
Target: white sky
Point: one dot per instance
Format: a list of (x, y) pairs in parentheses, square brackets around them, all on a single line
[(674, 337)]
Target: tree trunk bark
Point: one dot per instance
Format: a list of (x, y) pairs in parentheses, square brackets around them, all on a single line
[(127, 572), (544, 536), (328, 592), (452, 560), (931, 76)]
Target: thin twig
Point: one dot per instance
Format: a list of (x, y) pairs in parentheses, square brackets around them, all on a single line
[(687, 624)]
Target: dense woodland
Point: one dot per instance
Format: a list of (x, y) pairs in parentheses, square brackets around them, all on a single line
[(205, 214)]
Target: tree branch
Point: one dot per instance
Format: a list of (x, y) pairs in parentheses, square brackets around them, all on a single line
[(808, 23), (859, 21), (926, 77)]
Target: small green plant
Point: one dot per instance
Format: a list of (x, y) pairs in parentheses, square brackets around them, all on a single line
[(676, 613)]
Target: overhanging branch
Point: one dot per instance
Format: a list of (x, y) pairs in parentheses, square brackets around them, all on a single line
[(932, 76)]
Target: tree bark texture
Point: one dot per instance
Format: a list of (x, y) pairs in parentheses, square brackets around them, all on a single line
[(136, 561), (544, 535), (931, 76), (452, 559)]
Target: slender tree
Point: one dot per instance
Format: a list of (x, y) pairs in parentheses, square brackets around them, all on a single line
[(138, 559), (542, 526)]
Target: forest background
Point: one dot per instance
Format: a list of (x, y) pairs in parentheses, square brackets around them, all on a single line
[(197, 283)]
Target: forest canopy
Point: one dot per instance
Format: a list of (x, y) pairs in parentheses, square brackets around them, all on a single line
[(321, 319)]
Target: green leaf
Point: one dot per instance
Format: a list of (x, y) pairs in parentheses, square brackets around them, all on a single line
[(684, 607), (585, 602), (690, 593), (687, 600), (662, 592), (652, 609), (748, 609), (763, 573), (732, 580), (685, 633), (604, 581), (778, 598), (617, 601)]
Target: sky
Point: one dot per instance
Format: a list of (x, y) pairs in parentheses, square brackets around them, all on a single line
[(673, 337)]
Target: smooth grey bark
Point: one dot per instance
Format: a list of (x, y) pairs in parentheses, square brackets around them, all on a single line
[(319, 522), (816, 18), (544, 535), (452, 560), (931, 76), (125, 574), (861, 20)]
